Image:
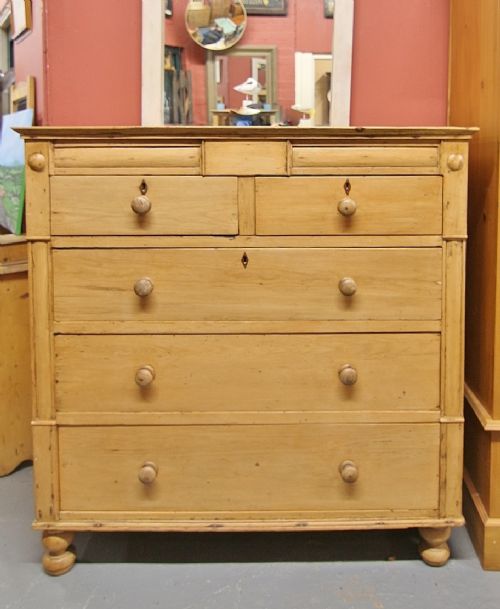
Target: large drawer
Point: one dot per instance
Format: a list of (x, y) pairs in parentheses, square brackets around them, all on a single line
[(250, 468), (237, 285), (410, 205), (277, 373), (179, 205)]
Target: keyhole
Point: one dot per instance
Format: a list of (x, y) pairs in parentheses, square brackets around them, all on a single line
[(244, 260), (347, 187), (143, 187)]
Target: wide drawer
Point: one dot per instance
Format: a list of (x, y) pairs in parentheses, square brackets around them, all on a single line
[(249, 468), (267, 373), (237, 285), (365, 159), (127, 160), (102, 205), (410, 205)]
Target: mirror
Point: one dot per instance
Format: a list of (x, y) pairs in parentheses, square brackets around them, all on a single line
[(292, 61), (216, 24)]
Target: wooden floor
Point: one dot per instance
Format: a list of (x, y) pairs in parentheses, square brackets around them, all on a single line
[(374, 570)]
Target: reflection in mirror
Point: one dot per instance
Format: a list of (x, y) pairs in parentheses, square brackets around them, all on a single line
[(241, 86), (216, 24)]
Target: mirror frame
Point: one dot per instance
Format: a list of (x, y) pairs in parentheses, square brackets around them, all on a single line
[(153, 41), (267, 51)]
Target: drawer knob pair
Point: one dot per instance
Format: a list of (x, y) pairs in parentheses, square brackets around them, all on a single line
[(348, 286), (348, 471), (148, 472), (145, 375), (141, 205), (143, 287)]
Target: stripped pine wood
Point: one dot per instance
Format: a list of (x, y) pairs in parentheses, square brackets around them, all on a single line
[(99, 468), (170, 205), (276, 284), (190, 378)]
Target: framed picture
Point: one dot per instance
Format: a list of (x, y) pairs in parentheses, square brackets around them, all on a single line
[(169, 9), (266, 7), (20, 16), (329, 8)]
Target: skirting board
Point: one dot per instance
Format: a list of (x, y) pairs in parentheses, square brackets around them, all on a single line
[(484, 531)]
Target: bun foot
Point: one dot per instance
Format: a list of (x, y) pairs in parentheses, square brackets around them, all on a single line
[(60, 555), (434, 549)]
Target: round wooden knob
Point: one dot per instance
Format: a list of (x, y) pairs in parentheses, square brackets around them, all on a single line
[(37, 161), (348, 375), (347, 286), (455, 162), (141, 205), (148, 472), (143, 287), (347, 207), (348, 471), (145, 375)]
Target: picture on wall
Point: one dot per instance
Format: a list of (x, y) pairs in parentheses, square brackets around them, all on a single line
[(266, 7), (169, 9), (329, 8), (20, 17)]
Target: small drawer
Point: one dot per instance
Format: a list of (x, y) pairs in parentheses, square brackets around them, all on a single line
[(358, 205), (247, 285), (249, 468), (127, 160), (365, 159), (265, 373), (245, 158), (151, 205)]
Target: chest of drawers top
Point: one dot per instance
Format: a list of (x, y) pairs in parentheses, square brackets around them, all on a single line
[(192, 181)]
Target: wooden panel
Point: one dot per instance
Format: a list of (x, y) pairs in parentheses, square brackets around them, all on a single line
[(276, 285), (452, 440), (246, 206), (45, 469), (38, 190), (245, 158), (365, 156), (41, 336), (384, 206), (247, 373), (247, 241), (453, 337), (125, 160), (473, 100), (15, 363), (284, 468), (454, 167), (100, 205), (342, 326), (247, 417)]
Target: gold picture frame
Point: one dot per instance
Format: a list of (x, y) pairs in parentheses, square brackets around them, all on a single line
[(20, 17)]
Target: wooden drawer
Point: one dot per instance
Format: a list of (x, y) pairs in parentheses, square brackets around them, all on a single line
[(246, 158), (127, 160), (247, 373), (364, 159), (235, 285), (102, 205), (249, 468), (410, 205)]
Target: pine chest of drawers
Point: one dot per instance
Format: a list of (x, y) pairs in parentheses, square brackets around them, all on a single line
[(244, 330)]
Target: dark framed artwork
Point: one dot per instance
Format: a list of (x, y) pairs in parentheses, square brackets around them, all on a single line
[(329, 8), (169, 9), (266, 7)]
